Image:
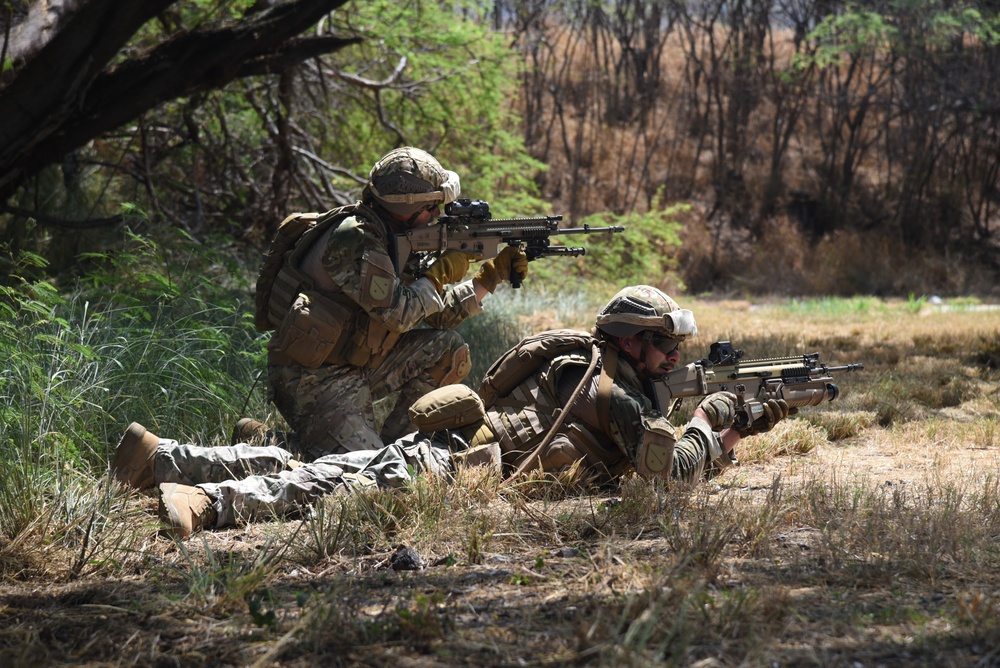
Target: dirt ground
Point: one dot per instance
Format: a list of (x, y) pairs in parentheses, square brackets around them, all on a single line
[(551, 596)]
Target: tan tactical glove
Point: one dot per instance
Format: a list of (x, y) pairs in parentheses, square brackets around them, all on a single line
[(720, 409), (775, 410), (449, 268), (499, 268)]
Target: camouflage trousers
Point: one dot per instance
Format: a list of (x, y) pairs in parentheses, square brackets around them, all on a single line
[(266, 488), (193, 464), (331, 409)]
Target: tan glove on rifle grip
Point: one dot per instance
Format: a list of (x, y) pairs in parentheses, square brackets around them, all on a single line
[(720, 408), (510, 264), (449, 268), (775, 410)]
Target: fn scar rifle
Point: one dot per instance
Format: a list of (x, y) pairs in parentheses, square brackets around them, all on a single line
[(468, 226), (800, 380)]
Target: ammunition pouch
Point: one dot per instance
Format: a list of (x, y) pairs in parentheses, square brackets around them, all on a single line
[(314, 331), (318, 330), (448, 407)]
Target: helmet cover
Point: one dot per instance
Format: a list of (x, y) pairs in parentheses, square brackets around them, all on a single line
[(641, 308), (408, 179)]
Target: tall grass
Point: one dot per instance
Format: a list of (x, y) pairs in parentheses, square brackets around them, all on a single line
[(135, 340)]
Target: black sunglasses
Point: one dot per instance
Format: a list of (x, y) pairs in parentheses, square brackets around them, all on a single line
[(664, 344)]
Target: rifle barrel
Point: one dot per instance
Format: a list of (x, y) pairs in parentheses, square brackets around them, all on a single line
[(846, 367), (587, 229)]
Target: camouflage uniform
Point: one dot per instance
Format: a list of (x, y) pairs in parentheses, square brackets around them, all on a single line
[(355, 263), (331, 407), (258, 485)]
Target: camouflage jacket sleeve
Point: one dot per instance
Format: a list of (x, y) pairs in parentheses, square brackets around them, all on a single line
[(697, 447), (357, 258), (459, 303)]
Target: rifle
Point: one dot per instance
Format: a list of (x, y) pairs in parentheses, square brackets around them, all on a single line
[(469, 227), (800, 380)]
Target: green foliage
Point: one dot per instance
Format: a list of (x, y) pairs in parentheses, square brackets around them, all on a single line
[(856, 30), (915, 303), (139, 338), (645, 253), (51, 421), (832, 306), (905, 25), (461, 79)]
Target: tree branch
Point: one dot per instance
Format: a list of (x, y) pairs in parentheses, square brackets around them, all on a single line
[(40, 124), (49, 221), (294, 53), (375, 85), (46, 91)]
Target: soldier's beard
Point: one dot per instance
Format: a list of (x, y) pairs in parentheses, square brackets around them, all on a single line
[(665, 367)]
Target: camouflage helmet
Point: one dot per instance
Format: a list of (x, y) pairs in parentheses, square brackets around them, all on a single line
[(640, 308), (406, 180)]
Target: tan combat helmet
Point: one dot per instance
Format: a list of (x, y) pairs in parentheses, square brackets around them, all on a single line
[(639, 308), (409, 179)]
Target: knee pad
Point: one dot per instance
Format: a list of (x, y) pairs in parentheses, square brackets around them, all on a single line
[(452, 367), (450, 407), (560, 453)]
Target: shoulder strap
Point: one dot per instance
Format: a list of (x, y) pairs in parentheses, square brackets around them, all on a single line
[(321, 224), (608, 370)]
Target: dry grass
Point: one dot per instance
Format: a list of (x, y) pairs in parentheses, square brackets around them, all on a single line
[(863, 532)]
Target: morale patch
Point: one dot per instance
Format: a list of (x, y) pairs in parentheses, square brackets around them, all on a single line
[(658, 456), (655, 457), (378, 278), (380, 288)]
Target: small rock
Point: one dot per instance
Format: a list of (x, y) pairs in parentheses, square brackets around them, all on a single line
[(406, 559)]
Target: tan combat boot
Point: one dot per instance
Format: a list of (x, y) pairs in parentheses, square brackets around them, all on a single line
[(133, 465), (185, 509), (249, 431)]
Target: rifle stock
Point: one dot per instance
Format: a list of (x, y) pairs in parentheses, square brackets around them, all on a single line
[(800, 380), (470, 228)]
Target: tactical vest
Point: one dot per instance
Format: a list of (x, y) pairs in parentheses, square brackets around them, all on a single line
[(521, 394), (313, 327)]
